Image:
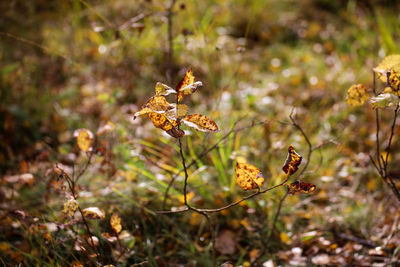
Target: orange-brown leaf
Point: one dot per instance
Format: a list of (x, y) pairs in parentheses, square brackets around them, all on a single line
[(157, 104), (300, 187), (200, 123), (84, 139), (115, 223), (175, 132), (248, 176), (292, 162), (187, 85)]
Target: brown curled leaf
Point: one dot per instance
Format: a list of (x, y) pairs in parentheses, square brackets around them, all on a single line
[(292, 162), (300, 187)]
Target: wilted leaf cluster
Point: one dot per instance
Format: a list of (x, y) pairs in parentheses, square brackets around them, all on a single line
[(168, 116)]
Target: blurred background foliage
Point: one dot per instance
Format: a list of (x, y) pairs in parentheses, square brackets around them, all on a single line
[(75, 64)]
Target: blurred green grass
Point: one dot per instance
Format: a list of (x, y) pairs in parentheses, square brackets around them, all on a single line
[(255, 58)]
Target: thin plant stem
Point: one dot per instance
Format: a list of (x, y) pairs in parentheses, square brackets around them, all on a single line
[(170, 55), (396, 112), (185, 171), (310, 148)]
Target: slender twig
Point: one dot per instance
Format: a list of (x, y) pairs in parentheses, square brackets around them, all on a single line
[(378, 149), (84, 168), (71, 186), (377, 122), (258, 192), (29, 42), (272, 228), (381, 164), (396, 112), (206, 151), (214, 258), (310, 148), (186, 173), (170, 54)]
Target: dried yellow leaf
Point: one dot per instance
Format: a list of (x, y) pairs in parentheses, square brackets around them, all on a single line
[(389, 63), (84, 139), (76, 264), (357, 95), (248, 176), (93, 213), (157, 104), (158, 109), (394, 81), (177, 111), (115, 223), (163, 89), (200, 123), (70, 206), (187, 85)]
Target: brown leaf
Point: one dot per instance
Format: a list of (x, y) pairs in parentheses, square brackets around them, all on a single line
[(300, 187), (200, 123), (25, 178), (248, 176), (292, 162), (175, 132), (225, 243)]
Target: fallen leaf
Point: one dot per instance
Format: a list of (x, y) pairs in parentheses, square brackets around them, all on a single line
[(109, 237), (225, 242), (321, 259), (93, 213), (25, 178)]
